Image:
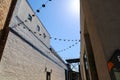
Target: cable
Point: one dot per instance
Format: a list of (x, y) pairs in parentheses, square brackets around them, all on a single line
[(54, 38), (67, 47)]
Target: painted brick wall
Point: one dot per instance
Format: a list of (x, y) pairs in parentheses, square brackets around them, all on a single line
[(21, 13), (22, 62), (26, 55)]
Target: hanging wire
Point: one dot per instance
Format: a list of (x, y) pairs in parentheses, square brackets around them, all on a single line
[(33, 15), (67, 47), (66, 40), (59, 39), (54, 38), (43, 6), (59, 50)]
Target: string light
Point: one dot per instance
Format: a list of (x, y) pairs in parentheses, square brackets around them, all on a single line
[(67, 48), (43, 6), (33, 15), (54, 38), (67, 40)]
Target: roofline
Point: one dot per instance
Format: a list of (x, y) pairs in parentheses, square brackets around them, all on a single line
[(56, 54), (47, 32), (34, 47), (37, 17)]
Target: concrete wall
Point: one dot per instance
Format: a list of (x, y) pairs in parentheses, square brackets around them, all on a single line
[(27, 55), (107, 20), (82, 67), (102, 20)]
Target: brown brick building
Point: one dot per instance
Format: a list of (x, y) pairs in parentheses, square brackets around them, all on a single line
[(100, 39), (6, 11)]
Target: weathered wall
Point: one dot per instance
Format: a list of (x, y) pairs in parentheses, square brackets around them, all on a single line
[(82, 19), (22, 62), (102, 21), (26, 54), (107, 21), (91, 15), (21, 13), (6, 11), (4, 8)]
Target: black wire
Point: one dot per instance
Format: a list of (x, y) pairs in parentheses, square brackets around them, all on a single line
[(67, 47)]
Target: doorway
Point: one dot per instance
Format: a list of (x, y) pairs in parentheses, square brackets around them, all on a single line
[(48, 76)]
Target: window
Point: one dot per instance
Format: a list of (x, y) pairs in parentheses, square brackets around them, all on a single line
[(29, 17), (48, 76), (38, 28)]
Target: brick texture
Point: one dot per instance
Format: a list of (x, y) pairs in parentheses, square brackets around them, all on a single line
[(22, 62), (4, 8)]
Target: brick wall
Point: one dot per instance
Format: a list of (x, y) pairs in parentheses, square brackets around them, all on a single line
[(22, 62), (4, 7), (27, 55)]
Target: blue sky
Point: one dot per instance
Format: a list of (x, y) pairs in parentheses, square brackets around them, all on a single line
[(62, 20)]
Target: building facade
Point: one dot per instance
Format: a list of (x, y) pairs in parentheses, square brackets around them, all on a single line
[(6, 11), (27, 53), (100, 41)]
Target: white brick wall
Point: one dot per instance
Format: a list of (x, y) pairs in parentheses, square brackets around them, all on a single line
[(20, 60), (22, 11)]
